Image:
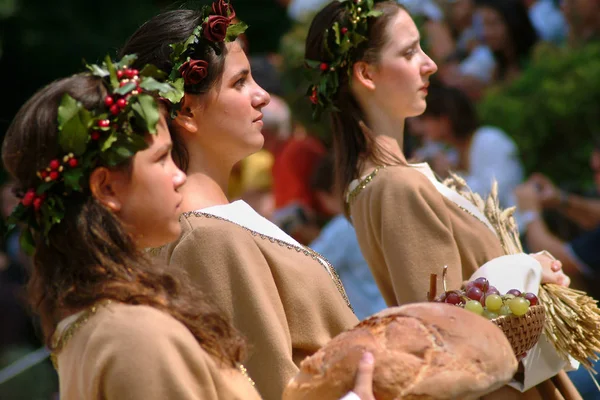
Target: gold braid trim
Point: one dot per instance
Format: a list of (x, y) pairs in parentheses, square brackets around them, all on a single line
[(61, 341), (307, 251)]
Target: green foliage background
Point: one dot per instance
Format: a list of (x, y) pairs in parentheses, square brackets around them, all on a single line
[(552, 113)]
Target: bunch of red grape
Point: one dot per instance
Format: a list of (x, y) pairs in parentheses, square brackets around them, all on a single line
[(482, 299)]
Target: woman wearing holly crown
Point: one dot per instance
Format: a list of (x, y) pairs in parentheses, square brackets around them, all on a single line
[(370, 72), (284, 298)]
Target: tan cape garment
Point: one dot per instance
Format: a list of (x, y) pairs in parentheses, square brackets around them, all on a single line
[(138, 352), (407, 231), (282, 299)]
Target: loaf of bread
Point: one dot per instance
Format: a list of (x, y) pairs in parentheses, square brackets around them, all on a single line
[(422, 351)]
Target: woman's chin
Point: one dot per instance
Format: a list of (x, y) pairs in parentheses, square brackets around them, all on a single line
[(418, 110), (256, 143)]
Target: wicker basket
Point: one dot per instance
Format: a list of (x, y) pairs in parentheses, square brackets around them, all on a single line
[(523, 332)]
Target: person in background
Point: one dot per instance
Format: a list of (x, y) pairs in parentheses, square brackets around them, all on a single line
[(338, 243), (580, 257), (485, 153), (296, 208), (583, 18), (508, 32), (547, 19), (471, 66)]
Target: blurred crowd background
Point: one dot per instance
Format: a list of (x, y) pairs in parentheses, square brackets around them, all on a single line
[(516, 99)]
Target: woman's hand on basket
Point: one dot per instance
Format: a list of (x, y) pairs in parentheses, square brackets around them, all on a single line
[(552, 269), (363, 386)]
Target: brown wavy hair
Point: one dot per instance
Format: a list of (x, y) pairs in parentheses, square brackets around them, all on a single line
[(89, 256), (352, 147)]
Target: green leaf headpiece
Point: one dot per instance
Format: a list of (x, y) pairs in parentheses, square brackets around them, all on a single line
[(107, 135), (217, 27), (341, 52)]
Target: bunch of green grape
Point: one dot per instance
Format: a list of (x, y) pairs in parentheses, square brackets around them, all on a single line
[(479, 297)]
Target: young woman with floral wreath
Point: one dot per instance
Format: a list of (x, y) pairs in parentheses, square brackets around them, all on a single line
[(371, 73), (94, 188), (283, 297), (92, 156)]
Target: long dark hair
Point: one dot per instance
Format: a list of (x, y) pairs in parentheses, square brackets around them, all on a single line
[(520, 30), (151, 43), (89, 256), (351, 145)]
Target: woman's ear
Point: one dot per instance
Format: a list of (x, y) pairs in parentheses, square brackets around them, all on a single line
[(363, 73), (185, 119), (107, 187)]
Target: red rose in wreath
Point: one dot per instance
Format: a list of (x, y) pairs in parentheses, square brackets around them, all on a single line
[(223, 8), (193, 71), (215, 28)]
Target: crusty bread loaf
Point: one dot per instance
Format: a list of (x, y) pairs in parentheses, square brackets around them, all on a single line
[(422, 351)]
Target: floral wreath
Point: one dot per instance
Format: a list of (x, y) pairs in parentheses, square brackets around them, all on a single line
[(348, 37), (217, 27), (107, 135)]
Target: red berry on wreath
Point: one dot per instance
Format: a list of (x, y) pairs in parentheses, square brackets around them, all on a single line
[(95, 135), (314, 97), (122, 103), (108, 101), (37, 203), (73, 162), (344, 30), (104, 123), (28, 198), (324, 67), (54, 164), (119, 74), (54, 175), (114, 109)]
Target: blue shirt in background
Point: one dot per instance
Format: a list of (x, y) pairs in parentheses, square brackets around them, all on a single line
[(338, 243)]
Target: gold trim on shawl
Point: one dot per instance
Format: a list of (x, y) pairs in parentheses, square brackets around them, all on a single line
[(300, 249)]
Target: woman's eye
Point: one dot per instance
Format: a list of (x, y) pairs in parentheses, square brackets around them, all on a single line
[(240, 82), (164, 158)]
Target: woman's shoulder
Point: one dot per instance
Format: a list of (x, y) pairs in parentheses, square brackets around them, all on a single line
[(130, 335), (397, 180), (200, 227), (127, 323)]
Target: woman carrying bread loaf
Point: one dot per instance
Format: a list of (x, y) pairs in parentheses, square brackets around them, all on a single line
[(285, 299), (371, 73), (98, 186)]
